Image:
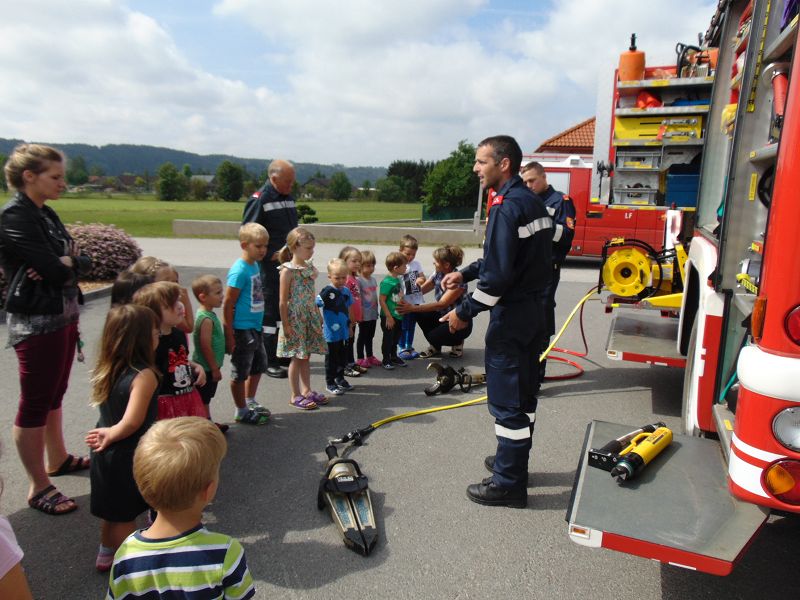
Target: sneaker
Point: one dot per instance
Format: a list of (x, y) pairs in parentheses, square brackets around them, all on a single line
[(364, 364), (399, 362), (350, 372), (388, 366), (408, 354), (222, 427), (374, 361), (251, 417), (360, 369), (334, 389), (256, 407), (344, 385)]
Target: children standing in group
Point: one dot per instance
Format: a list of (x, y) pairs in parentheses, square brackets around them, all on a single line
[(391, 292), (177, 395), (208, 337), (161, 270), (176, 467), (368, 288), (125, 384), (242, 315), (335, 300), (301, 327), (413, 278), (352, 258)]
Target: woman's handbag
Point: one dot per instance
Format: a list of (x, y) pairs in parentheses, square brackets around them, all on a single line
[(28, 296)]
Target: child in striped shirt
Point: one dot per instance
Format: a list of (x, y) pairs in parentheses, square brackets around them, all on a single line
[(176, 467)]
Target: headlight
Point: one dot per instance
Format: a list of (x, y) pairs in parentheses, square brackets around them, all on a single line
[(786, 427)]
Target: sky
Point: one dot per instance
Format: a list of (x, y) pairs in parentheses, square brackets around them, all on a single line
[(352, 82)]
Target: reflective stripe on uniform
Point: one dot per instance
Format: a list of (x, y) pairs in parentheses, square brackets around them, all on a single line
[(268, 206), (535, 227), (485, 298), (558, 232), (269, 330), (512, 434), (531, 417), (551, 210)]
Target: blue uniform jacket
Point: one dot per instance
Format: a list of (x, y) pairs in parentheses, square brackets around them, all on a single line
[(517, 252), (276, 212), (562, 210)]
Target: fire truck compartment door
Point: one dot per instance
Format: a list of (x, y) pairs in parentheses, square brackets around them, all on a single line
[(677, 510), (644, 336)]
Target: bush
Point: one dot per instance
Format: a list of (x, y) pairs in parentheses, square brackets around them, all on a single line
[(306, 214), (110, 248)]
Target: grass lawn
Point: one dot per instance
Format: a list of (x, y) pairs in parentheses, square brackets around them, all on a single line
[(145, 216)]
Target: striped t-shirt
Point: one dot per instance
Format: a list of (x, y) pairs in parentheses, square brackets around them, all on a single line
[(197, 564)]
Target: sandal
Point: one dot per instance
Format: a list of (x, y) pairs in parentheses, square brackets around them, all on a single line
[(303, 403), (70, 465), (251, 417), (317, 398), (431, 352), (48, 501), (457, 351)]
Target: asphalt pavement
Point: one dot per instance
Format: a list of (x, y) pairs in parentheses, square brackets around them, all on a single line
[(433, 542)]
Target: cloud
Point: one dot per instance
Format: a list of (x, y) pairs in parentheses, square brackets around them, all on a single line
[(366, 82)]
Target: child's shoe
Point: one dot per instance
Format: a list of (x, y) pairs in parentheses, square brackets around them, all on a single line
[(303, 403), (408, 354), (256, 407), (357, 367), (317, 398), (334, 389), (363, 363), (388, 366), (399, 362), (104, 560), (344, 385), (374, 361), (351, 372)]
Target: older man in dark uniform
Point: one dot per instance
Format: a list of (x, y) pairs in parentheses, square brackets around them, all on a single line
[(273, 207), (513, 276)]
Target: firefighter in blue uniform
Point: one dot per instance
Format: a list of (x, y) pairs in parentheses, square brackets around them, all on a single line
[(273, 207), (562, 210), (513, 276)]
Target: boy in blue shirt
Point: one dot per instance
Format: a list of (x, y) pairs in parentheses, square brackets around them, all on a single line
[(243, 311), (335, 300)]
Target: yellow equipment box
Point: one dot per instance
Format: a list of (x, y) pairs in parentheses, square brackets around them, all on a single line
[(659, 128)]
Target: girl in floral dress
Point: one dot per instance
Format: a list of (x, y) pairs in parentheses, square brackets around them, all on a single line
[(301, 324)]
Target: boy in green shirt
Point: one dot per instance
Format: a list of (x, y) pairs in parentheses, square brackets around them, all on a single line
[(208, 337), (390, 294)]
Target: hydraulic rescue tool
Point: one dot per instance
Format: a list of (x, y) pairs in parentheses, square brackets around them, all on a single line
[(626, 456), (447, 378), (344, 490)]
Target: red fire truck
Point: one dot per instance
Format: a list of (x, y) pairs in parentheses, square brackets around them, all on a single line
[(699, 503)]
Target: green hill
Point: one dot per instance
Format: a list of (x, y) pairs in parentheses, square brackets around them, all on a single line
[(118, 159)]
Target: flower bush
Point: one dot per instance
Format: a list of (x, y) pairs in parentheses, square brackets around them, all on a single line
[(110, 248)]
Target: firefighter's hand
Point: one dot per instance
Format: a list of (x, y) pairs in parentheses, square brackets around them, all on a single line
[(454, 323), (451, 281)]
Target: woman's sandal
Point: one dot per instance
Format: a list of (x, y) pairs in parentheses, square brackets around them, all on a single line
[(431, 352), (303, 403), (70, 465), (457, 351), (48, 501), (317, 398)]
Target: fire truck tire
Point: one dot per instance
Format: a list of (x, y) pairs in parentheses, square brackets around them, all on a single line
[(687, 383)]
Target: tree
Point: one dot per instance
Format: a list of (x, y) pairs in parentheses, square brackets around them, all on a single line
[(451, 182), (391, 189), (306, 214), (365, 188), (413, 172), (76, 171), (171, 184), (199, 189), (187, 171), (230, 181), (340, 187)]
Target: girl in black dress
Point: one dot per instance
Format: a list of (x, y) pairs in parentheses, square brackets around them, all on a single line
[(125, 385)]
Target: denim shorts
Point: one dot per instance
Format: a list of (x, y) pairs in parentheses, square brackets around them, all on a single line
[(248, 357)]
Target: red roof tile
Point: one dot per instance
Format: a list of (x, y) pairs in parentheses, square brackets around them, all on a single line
[(578, 139)]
